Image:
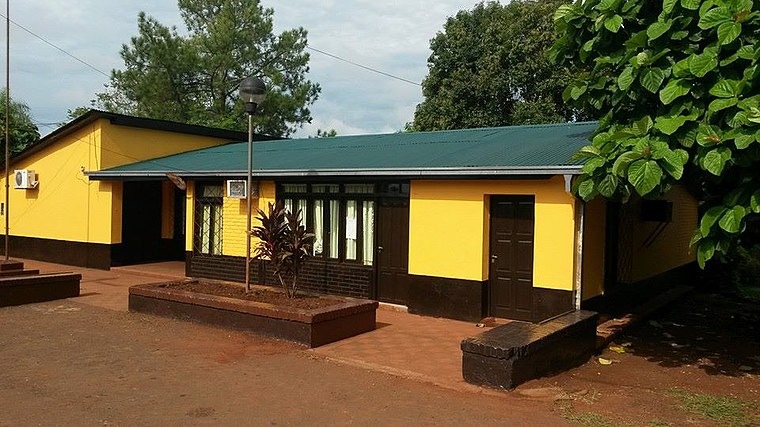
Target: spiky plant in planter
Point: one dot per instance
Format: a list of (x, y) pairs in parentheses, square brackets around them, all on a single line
[(284, 241)]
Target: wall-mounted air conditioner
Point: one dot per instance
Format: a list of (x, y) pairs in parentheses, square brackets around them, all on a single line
[(25, 179)]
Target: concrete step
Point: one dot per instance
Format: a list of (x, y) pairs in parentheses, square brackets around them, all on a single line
[(11, 265), (16, 273)]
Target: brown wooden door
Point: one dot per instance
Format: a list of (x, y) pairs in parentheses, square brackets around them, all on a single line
[(511, 258), (393, 251)]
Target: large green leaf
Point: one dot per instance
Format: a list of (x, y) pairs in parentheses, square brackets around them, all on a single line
[(754, 202), (725, 88), (705, 251), (710, 218), (586, 189), (586, 152), (651, 79), (644, 175), (714, 162), (708, 135), (672, 163), (728, 32), (593, 164), (577, 91), (731, 220), (669, 125), (642, 126), (691, 4), (722, 103), (681, 68), (658, 28), (620, 167), (743, 141), (674, 90), (701, 64), (563, 11), (608, 185), (625, 79), (714, 17), (613, 23), (668, 5)]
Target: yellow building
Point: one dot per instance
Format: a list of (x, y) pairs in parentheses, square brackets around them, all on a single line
[(462, 224), (58, 214)]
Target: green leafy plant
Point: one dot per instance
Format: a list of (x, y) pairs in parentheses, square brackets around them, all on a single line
[(678, 84), (283, 240)]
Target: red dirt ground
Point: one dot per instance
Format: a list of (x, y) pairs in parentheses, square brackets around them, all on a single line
[(707, 344)]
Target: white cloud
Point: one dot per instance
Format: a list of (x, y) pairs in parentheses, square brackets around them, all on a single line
[(392, 36)]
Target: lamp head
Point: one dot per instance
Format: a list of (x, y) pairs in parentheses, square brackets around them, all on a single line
[(252, 91)]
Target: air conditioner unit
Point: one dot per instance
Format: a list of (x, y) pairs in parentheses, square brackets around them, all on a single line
[(25, 179)]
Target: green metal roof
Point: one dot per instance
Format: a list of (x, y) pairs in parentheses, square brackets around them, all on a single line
[(532, 149)]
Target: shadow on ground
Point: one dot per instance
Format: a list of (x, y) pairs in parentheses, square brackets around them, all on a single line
[(716, 332)]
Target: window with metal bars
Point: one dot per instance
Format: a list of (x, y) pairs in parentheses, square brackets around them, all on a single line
[(208, 218)]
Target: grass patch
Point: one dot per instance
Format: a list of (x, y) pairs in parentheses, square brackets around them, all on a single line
[(725, 410), (589, 419)]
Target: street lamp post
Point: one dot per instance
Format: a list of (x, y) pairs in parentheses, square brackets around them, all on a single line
[(253, 91)]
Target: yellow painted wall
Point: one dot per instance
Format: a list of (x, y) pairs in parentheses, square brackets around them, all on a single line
[(671, 248), (234, 213), (67, 205), (449, 229), (594, 225), (123, 145)]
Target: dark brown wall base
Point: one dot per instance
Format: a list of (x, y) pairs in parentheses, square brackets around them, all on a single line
[(548, 303), (91, 255), (38, 288), (508, 355), (320, 276), (450, 298), (349, 318)]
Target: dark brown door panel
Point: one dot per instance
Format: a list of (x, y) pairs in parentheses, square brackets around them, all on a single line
[(511, 257)]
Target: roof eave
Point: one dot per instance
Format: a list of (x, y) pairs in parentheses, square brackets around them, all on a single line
[(407, 172)]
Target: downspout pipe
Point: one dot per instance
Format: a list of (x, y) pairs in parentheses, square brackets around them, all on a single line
[(580, 212)]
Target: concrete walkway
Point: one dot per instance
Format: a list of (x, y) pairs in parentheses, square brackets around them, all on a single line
[(417, 347), (110, 288)]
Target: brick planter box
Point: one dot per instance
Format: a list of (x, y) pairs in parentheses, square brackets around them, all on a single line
[(313, 328), (38, 288)]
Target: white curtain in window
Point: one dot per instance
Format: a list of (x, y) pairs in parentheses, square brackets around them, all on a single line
[(318, 227), (334, 230), (217, 224), (302, 207), (368, 231), (351, 229), (289, 205), (206, 229)]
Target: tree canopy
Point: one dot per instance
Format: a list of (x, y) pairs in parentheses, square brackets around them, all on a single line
[(23, 132), (678, 82), (489, 67), (193, 78)]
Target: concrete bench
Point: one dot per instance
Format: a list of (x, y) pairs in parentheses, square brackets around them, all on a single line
[(37, 288), (508, 355)]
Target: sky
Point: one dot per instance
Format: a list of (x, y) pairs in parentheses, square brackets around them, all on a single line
[(391, 35)]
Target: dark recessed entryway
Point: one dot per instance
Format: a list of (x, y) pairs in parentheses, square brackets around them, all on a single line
[(152, 221), (511, 258)]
